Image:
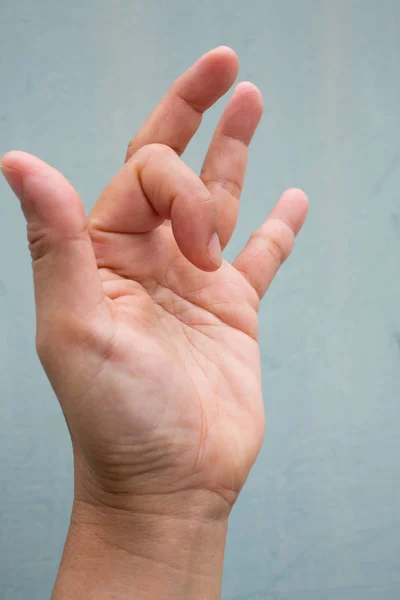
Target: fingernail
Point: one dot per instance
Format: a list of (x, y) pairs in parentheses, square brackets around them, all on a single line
[(214, 250), (13, 179)]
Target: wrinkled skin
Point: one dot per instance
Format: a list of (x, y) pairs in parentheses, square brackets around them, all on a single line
[(149, 342)]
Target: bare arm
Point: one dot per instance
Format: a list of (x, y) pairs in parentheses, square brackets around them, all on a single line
[(149, 339)]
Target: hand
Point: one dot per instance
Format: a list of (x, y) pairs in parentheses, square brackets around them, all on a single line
[(149, 341)]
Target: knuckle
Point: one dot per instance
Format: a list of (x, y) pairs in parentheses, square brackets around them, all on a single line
[(42, 346), (198, 194), (278, 238), (48, 341), (276, 250), (155, 150), (55, 336), (231, 185), (39, 242)]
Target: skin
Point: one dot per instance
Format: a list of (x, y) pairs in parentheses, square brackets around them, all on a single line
[(150, 341)]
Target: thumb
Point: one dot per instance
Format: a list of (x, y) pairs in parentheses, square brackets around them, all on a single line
[(66, 279)]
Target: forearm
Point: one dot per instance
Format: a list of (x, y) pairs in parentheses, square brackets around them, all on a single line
[(119, 555)]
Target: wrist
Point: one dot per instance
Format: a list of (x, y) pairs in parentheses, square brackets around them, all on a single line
[(144, 554)]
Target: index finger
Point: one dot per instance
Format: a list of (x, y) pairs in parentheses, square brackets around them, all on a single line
[(177, 117)]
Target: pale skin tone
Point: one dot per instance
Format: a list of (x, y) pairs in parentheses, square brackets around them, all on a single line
[(150, 342)]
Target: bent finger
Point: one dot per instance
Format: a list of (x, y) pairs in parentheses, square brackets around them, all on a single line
[(156, 185)]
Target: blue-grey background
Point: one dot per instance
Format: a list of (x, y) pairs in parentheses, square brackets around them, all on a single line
[(319, 517)]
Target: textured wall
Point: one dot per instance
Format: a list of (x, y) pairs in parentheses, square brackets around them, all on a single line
[(319, 517)]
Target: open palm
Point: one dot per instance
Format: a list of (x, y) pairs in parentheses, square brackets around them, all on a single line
[(150, 342)]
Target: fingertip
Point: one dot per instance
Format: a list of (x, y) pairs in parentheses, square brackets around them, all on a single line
[(224, 48), (224, 62), (250, 91), (292, 208), (297, 196), (13, 178), (23, 162), (243, 113), (214, 251), (226, 52), (13, 158), (16, 166), (7, 160), (46, 196), (294, 191)]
